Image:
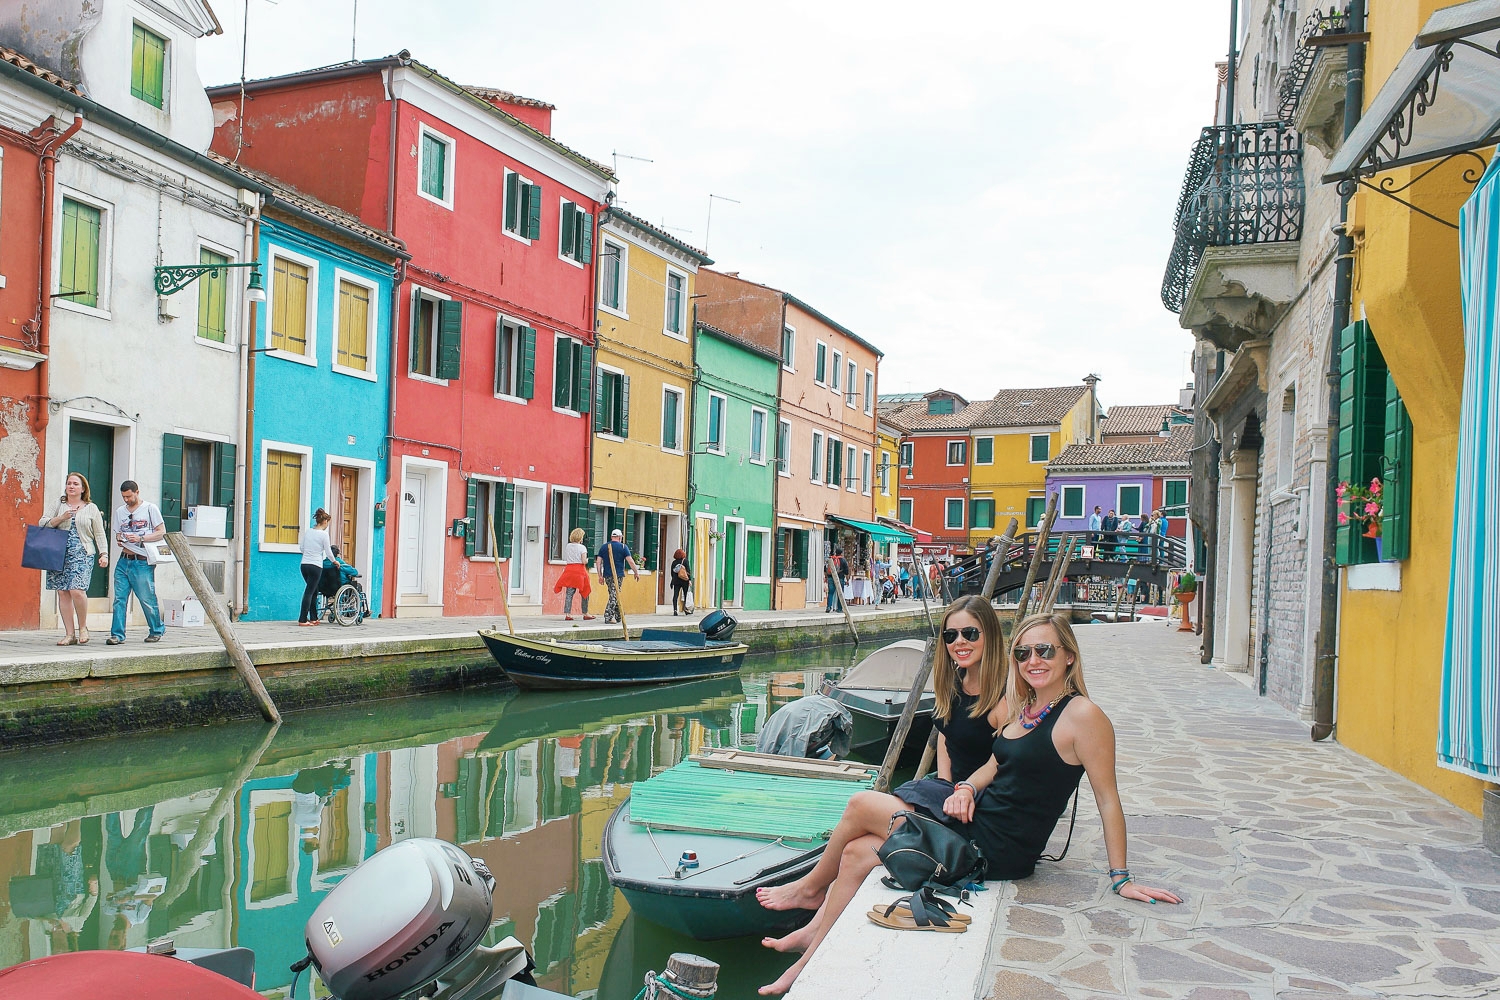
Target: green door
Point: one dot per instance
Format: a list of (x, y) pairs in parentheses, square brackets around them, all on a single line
[(91, 451), (731, 561)]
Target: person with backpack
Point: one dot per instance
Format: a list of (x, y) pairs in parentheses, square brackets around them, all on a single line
[(682, 579)]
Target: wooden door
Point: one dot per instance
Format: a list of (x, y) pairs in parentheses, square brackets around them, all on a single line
[(91, 451), (344, 506)]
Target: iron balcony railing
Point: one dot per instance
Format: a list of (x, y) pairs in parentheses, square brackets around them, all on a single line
[(1243, 186), (1294, 81)]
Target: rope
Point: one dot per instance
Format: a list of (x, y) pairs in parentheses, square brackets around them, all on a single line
[(656, 982)]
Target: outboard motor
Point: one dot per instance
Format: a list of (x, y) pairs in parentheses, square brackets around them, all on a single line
[(408, 921), (717, 626)]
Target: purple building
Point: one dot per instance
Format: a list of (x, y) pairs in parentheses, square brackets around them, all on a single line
[(1130, 478)]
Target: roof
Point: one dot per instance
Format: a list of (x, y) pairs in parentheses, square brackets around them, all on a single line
[(898, 398), (283, 192), (615, 212), (491, 94), (1137, 419), (1162, 453), (22, 63), (739, 341), (1029, 407), (913, 417)]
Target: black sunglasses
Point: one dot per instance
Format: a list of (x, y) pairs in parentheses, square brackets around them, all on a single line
[(969, 632), (1043, 649)]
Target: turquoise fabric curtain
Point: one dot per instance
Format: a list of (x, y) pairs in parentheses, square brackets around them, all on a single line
[(1469, 729)]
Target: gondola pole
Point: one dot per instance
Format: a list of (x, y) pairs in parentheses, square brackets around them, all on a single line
[(609, 567), (500, 579)]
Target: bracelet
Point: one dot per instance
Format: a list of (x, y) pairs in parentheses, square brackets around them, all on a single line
[(966, 784), (1117, 872), (1118, 885)]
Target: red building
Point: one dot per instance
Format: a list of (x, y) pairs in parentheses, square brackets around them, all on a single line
[(493, 338), (931, 472), (26, 168)]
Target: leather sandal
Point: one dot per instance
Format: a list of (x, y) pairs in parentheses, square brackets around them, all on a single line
[(67, 640), (83, 637)]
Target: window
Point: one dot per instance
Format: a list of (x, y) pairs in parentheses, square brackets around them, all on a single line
[(784, 448), (940, 407), (1175, 497), (984, 451), (1036, 509), (864, 473), (958, 452), (78, 273), (676, 304), (281, 502), (953, 512), (515, 358), (636, 535), (1041, 447), (833, 468), (903, 507), (1129, 501), (906, 456), (791, 553), (1286, 440), (789, 348), (983, 514), (817, 457), (598, 528), (290, 307), (869, 393), (612, 271), (885, 473), (436, 336), (612, 410), (435, 171), (820, 369), (575, 234), (148, 67), (483, 493), (715, 439), (356, 327), (851, 385), (1072, 501), (558, 523), (847, 473), (196, 473), (757, 555), (572, 374), (523, 207), (1375, 441), (213, 298), (838, 371), (758, 436), (671, 419)]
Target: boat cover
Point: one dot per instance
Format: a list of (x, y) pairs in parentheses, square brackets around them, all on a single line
[(743, 803), (889, 668), (809, 723)]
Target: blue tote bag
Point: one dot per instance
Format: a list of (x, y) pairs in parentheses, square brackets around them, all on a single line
[(46, 548)]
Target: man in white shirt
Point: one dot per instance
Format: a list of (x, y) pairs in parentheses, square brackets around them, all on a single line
[(136, 522)]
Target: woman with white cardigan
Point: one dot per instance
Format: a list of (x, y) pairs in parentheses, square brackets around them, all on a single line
[(76, 514), (316, 547)]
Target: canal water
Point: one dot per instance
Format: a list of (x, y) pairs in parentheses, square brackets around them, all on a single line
[(217, 836)]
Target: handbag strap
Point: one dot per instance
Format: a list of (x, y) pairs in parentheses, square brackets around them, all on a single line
[(1069, 842)]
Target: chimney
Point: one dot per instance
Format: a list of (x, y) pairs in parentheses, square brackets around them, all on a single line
[(1092, 381), (1185, 398)]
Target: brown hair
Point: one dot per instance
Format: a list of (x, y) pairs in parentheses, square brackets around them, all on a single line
[(82, 479), (1072, 680), (945, 683), (321, 516)]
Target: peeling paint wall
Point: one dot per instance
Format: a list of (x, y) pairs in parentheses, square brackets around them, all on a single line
[(21, 499)]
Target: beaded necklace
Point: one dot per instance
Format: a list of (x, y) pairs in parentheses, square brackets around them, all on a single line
[(1029, 721)]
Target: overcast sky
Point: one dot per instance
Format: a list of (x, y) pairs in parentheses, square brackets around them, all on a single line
[(982, 190)]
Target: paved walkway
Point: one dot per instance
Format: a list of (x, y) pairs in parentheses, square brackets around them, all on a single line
[(1307, 871)]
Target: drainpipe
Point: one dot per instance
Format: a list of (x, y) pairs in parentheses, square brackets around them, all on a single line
[(240, 597), (392, 467), (43, 320), (1234, 44), (1325, 672)]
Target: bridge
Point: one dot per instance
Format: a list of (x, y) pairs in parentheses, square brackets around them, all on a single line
[(1142, 556)]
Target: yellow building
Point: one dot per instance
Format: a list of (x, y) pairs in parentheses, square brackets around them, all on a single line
[(887, 483), (1010, 443), (1408, 321), (643, 390)]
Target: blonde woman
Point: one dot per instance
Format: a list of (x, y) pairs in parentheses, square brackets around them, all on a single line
[(88, 545), (575, 576), (1051, 736)]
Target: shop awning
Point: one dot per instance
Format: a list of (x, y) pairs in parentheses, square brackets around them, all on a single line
[(902, 526), (1441, 99), (879, 532)]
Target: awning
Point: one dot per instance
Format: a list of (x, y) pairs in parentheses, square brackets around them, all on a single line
[(1440, 100), (902, 526), (878, 532)]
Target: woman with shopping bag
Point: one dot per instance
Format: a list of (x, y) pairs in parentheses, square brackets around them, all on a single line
[(76, 514)]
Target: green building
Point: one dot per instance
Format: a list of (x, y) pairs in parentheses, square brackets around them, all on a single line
[(732, 485)]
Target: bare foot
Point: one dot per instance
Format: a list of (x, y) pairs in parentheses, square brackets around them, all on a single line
[(792, 896), (785, 982), (797, 940)]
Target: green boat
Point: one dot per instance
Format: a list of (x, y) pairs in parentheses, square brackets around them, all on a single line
[(748, 820)]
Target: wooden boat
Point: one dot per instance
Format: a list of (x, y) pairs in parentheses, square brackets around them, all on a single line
[(875, 691), (750, 819), (658, 655)]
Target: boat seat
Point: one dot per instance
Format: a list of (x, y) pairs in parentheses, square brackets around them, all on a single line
[(672, 635)]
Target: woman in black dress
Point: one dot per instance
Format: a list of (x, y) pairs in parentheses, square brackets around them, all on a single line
[(1052, 735)]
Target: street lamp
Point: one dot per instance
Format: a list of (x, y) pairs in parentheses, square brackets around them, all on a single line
[(173, 278), (1166, 429)]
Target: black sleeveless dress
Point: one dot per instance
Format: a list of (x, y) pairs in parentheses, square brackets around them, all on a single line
[(1020, 808), (969, 747)]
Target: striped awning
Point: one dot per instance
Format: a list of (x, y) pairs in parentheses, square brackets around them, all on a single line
[(1469, 728)]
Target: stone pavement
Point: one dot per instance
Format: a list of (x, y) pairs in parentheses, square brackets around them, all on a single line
[(1306, 870)]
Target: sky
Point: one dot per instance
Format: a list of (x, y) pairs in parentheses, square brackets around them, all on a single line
[(984, 191)]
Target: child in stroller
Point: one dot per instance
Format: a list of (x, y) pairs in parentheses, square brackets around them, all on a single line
[(343, 597)]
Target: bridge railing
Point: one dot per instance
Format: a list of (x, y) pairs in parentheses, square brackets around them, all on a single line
[(1144, 548)]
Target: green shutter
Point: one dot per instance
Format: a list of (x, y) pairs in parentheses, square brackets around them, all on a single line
[(528, 362), (567, 236), (585, 373), (585, 237), (471, 513), (624, 406), (653, 539), (148, 63), (224, 455), (601, 414), (616, 521), (171, 481), (533, 211), (781, 567), (802, 537), (984, 451), (1396, 478), (562, 372), (1361, 441), (505, 517), (450, 338), (513, 202)]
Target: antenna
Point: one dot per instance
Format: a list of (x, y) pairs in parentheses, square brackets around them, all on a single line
[(710, 221), (353, 30), (616, 156)]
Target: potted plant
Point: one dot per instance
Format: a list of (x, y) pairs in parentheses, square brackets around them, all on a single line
[(1361, 505)]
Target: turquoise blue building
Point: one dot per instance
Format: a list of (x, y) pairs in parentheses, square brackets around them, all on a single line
[(321, 396)]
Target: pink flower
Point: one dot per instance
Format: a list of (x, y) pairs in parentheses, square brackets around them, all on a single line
[(1372, 508), (1343, 518), (1342, 489), (1375, 486)]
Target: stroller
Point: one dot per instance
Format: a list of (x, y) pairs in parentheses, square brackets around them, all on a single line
[(341, 596)]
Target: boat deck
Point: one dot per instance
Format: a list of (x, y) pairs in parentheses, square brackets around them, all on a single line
[(742, 803)]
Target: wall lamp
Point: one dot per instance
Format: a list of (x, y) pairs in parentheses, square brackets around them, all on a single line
[(173, 278)]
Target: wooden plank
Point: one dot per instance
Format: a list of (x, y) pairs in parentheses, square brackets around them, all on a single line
[(729, 759)]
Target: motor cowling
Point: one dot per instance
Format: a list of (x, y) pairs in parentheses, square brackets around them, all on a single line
[(400, 920)]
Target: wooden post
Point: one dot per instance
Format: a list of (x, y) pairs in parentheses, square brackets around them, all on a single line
[(992, 578), (1043, 532), (183, 552), (908, 713), (920, 586), (1124, 585), (609, 567), (929, 755), (838, 590), (510, 626), (693, 974), (1059, 571)]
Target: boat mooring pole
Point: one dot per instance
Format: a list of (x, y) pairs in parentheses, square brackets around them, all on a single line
[(908, 713), (992, 578), (689, 975), (839, 590), (504, 604), (1043, 533), (609, 567)]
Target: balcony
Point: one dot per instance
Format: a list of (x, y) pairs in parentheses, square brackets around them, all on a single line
[(1239, 220), (1312, 90)]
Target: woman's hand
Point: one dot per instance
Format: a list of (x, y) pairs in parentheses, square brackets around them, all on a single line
[(960, 805), (103, 561), (1146, 894)]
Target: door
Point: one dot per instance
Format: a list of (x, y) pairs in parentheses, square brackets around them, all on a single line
[(732, 545), (343, 496), (91, 451), (518, 544), (412, 510), (703, 560)]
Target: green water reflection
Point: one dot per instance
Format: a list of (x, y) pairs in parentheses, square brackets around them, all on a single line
[(228, 835)]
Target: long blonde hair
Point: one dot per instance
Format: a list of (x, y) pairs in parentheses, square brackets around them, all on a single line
[(945, 681), (1072, 680)]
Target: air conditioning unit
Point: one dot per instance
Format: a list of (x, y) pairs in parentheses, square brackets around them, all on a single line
[(203, 521)]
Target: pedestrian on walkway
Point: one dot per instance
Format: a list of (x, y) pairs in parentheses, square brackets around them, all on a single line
[(137, 522), (575, 576), (1110, 524), (610, 562), (1050, 737), (682, 579), (834, 578), (76, 514), (315, 548), (1096, 522)]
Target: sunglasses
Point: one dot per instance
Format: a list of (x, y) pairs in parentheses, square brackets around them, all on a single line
[(969, 632), (1043, 649)]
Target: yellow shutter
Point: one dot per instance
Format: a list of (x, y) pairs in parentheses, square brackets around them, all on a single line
[(354, 326), (289, 308), (283, 497), (272, 847)]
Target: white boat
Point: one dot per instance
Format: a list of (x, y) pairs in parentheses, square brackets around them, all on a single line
[(875, 691)]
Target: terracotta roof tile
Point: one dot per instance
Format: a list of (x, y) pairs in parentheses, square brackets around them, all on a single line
[(491, 94), (21, 62), (1136, 419), (1158, 454), (1023, 407)]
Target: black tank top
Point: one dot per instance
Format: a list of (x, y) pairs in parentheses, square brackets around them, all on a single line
[(1021, 806), (970, 741)]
